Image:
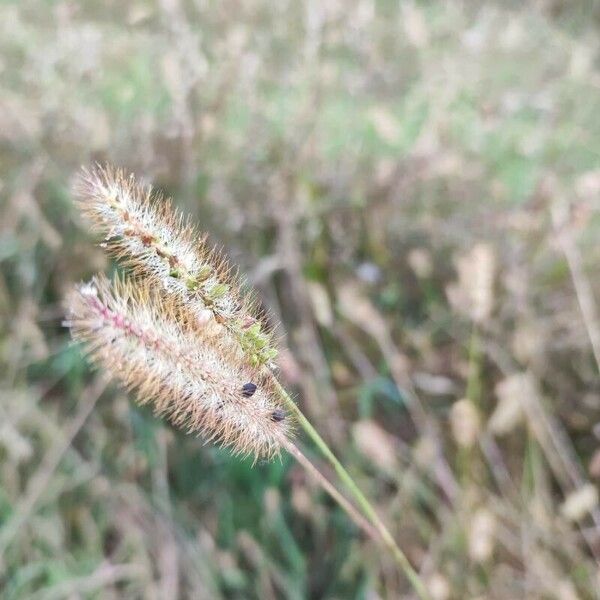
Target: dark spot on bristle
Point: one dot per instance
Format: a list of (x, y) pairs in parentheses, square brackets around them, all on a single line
[(248, 389), (278, 415)]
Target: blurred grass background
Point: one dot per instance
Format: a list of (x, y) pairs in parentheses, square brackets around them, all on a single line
[(413, 187)]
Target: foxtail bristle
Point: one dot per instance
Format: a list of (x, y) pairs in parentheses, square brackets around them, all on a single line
[(147, 341), (148, 235)]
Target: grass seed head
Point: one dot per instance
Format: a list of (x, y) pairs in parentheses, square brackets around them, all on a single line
[(145, 232), (149, 342)]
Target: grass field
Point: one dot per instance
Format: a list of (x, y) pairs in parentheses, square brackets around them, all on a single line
[(413, 188)]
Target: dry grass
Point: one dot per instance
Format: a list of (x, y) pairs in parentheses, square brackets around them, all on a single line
[(414, 191)]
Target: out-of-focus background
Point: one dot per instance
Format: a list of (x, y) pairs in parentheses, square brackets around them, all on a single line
[(413, 188)]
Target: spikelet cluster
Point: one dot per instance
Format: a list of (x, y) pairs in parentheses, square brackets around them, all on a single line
[(145, 232), (178, 332)]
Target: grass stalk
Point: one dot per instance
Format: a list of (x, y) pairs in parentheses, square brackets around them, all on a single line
[(322, 480), (362, 501)]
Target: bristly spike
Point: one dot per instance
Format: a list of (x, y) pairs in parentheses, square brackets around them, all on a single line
[(155, 241), (144, 339)]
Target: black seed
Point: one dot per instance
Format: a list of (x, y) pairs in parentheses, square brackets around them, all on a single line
[(248, 389), (278, 415)]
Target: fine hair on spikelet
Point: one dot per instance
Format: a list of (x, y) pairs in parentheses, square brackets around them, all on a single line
[(154, 240), (148, 342)]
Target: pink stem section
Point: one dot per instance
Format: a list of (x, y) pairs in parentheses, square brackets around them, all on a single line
[(358, 519)]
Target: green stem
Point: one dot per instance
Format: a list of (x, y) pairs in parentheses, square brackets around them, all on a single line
[(473, 381), (472, 393), (353, 488)]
